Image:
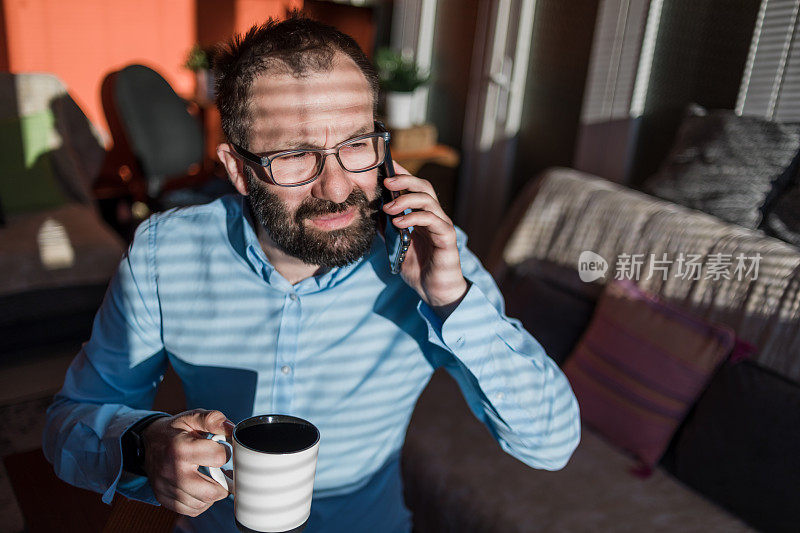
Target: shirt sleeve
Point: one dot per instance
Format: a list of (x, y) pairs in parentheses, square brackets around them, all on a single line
[(111, 383), (507, 379)]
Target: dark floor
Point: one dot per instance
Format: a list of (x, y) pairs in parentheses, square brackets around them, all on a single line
[(27, 385)]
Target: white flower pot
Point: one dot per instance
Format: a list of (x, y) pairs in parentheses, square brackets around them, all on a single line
[(399, 109)]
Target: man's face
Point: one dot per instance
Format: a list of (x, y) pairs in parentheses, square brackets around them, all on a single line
[(329, 222)]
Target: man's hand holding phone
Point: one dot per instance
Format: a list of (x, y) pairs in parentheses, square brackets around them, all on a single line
[(432, 266)]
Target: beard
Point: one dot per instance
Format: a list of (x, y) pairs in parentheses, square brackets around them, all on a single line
[(327, 249)]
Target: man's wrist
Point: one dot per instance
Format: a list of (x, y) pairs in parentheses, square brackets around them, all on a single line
[(133, 444), (444, 310)]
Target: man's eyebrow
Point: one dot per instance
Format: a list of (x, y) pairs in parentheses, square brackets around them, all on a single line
[(302, 144), (370, 128)]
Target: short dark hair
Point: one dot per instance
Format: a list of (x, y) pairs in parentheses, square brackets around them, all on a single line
[(298, 46)]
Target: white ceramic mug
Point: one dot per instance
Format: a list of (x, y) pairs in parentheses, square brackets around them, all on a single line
[(274, 464)]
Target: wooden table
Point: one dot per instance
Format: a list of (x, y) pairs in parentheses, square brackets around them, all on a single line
[(412, 160), (49, 504)]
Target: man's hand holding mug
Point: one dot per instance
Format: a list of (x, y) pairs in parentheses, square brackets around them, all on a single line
[(274, 462), (174, 448)]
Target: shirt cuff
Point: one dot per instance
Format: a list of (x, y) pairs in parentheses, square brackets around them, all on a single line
[(472, 325), (129, 485)]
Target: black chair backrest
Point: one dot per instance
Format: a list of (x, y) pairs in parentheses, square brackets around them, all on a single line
[(164, 137)]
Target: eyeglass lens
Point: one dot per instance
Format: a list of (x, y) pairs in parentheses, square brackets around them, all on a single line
[(355, 156)]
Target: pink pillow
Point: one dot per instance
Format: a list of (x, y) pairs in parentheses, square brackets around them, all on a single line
[(640, 366)]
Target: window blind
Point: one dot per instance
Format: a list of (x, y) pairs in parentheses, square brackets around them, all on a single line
[(771, 82)]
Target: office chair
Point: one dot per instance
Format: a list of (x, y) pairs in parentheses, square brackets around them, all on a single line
[(166, 140)]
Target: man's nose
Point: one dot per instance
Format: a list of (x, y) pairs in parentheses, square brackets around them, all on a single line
[(333, 183)]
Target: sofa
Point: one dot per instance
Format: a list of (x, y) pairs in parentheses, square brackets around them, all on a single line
[(56, 252), (732, 464)]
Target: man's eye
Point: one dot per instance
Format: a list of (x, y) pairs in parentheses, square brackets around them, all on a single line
[(357, 146)]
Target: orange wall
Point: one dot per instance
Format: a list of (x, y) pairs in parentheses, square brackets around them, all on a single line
[(217, 20), (81, 41), (249, 12), (355, 21)]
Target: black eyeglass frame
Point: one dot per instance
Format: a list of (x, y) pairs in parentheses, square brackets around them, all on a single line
[(266, 161)]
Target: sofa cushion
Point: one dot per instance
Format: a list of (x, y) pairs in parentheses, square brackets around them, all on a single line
[(727, 165), (62, 247), (640, 366), (453, 487), (22, 316), (740, 446), (552, 303)]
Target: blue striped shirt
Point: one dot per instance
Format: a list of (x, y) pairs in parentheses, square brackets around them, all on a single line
[(350, 350)]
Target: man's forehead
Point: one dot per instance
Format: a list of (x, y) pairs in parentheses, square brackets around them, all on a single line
[(284, 106)]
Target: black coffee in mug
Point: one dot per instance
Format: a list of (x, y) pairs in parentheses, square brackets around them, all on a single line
[(277, 437)]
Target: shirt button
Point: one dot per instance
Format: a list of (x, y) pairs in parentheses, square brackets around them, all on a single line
[(286, 369), (499, 396), (293, 297)]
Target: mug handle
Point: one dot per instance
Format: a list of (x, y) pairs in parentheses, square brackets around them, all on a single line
[(216, 473)]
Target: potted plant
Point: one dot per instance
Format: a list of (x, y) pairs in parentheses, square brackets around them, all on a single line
[(399, 77), (198, 61)]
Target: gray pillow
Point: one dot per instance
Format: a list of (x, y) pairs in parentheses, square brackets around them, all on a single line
[(727, 165)]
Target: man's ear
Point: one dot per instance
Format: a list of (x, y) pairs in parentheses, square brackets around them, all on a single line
[(233, 166)]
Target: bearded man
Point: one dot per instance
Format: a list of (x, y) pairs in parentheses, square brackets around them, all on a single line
[(281, 300)]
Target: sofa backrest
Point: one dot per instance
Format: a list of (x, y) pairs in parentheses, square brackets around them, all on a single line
[(74, 146), (573, 212)]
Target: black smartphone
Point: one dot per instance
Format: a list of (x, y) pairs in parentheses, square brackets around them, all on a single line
[(397, 239)]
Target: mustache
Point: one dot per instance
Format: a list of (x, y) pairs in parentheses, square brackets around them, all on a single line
[(312, 207)]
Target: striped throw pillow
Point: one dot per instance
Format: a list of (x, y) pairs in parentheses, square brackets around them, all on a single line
[(640, 366)]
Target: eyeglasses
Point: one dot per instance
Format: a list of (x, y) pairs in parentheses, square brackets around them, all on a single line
[(292, 168)]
